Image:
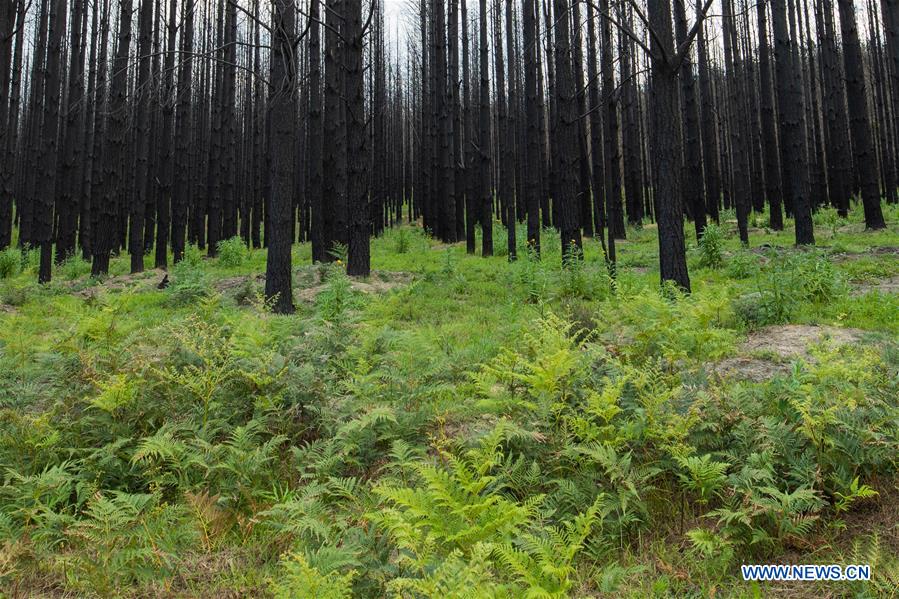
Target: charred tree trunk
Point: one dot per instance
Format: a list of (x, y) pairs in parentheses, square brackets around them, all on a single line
[(860, 126), (278, 272), (68, 201), (611, 147), (334, 166), (315, 147), (46, 189), (485, 199), (142, 182), (769, 131), (533, 159), (710, 150), (663, 111), (566, 97), (357, 188), (789, 101), (693, 188)]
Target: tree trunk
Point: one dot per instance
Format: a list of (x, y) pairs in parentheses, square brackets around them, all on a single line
[(46, 190), (566, 97), (486, 198), (789, 100), (357, 188), (856, 90), (663, 111), (278, 272), (315, 147)]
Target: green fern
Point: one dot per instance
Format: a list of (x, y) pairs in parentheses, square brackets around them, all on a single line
[(298, 580)]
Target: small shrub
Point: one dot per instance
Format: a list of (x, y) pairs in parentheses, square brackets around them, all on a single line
[(711, 245), (232, 252), (189, 283), (10, 263), (784, 283), (337, 297), (401, 241), (298, 578), (817, 278), (192, 256), (340, 252), (829, 218), (74, 267), (773, 303), (31, 260), (742, 265), (13, 296)]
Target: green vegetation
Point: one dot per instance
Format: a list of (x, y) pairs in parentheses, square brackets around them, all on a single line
[(454, 426)]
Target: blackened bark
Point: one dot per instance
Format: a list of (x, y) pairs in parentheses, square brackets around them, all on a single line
[(710, 151), (790, 104), (769, 131), (469, 154), (68, 200), (278, 274), (693, 191), (164, 198), (142, 182), (738, 139), (314, 149), (358, 260), (334, 197), (485, 195), (566, 181), (632, 143), (533, 159), (577, 64), (839, 161), (46, 189), (509, 143), (183, 126), (663, 111), (860, 126), (611, 146)]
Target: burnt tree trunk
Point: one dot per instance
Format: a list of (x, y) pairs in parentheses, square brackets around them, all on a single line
[(357, 184), (790, 104), (278, 272), (859, 123)]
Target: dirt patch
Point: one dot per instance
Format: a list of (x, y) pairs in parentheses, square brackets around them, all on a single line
[(749, 369), (231, 283), (793, 340), (884, 250), (7, 309), (380, 281), (141, 281), (782, 344), (888, 285)]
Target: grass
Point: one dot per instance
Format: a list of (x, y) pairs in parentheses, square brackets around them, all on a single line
[(194, 444)]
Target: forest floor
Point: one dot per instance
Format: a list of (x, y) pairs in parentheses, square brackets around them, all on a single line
[(456, 426)]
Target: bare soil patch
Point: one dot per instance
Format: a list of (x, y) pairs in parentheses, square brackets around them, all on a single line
[(883, 250), (888, 285), (782, 343), (141, 281), (793, 340), (380, 281), (231, 283), (749, 369)]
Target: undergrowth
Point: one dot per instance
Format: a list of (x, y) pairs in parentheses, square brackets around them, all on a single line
[(491, 429)]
